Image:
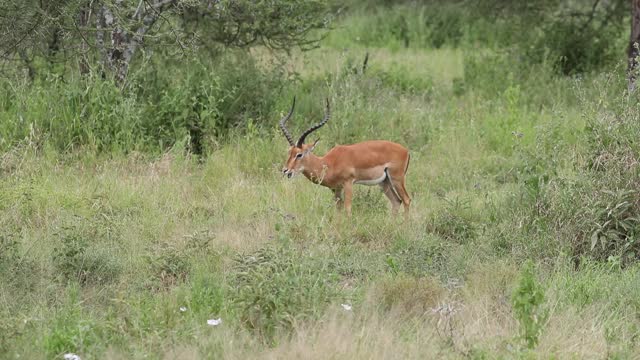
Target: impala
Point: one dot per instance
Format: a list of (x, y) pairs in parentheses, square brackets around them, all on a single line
[(375, 162)]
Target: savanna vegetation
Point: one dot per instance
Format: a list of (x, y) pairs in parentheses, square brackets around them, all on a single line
[(141, 192)]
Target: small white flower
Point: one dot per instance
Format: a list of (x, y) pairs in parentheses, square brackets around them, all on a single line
[(347, 307), (71, 356), (183, 308), (214, 322)]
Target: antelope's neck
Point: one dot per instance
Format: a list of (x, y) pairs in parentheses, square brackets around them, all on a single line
[(315, 169)]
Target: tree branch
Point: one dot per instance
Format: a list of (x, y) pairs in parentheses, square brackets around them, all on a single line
[(148, 20)]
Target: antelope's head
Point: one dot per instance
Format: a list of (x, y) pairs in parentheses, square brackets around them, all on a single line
[(299, 151)]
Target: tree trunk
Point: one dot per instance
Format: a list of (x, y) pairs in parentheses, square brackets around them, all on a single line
[(100, 26), (118, 43), (125, 42), (112, 52), (83, 21), (31, 71), (634, 45), (53, 46)]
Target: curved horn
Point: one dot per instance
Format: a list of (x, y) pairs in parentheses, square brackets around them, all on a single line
[(284, 120), (327, 115)]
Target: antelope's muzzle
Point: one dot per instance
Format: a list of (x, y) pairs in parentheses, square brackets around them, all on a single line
[(287, 172)]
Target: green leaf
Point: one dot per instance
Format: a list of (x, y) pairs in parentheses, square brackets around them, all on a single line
[(594, 240)]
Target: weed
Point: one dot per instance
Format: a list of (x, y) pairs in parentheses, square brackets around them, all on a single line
[(169, 265), (75, 257), (408, 295), (8, 252), (455, 222), (274, 289), (616, 225), (419, 257), (70, 331), (528, 301)]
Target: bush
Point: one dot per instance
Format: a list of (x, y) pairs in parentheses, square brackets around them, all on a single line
[(8, 253), (70, 331), (166, 103), (169, 266), (597, 211), (419, 257), (446, 25), (410, 295), (600, 223), (171, 263), (402, 80), (454, 223), (88, 112), (205, 100), (527, 301), (18, 273), (490, 71), (573, 46), (435, 25), (275, 288), (206, 293), (78, 256), (567, 34)]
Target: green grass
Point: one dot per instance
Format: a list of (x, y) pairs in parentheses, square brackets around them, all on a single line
[(99, 250)]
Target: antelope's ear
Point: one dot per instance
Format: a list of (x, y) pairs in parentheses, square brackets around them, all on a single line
[(310, 148), (314, 144)]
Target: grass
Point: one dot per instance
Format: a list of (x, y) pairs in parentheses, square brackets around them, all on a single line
[(99, 251)]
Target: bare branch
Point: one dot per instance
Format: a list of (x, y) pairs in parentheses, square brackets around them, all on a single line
[(148, 20)]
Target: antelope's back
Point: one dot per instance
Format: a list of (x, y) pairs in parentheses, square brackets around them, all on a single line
[(370, 153)]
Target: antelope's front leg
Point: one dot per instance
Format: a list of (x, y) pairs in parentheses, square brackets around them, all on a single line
[(348, 194), (337, 195)]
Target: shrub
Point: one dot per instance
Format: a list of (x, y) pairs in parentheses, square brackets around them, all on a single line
[(402, 80), (455, 222), (8, 253), (411, 295), (274, 288), (611, 225), (489, 71), (419, 257), (527, 302), (598, 210), (165, 103), (169, 265), (172, 263), (77, 257), (574, 45), (89, 112), (206, 293), (19, 273), (70, 331), (446, 25), (206, 99)]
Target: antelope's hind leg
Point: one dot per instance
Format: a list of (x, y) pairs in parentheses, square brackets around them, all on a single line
[(390, 193), (398, 185), (396, 178)]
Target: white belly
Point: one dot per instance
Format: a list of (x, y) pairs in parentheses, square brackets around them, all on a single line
[(372, 182)]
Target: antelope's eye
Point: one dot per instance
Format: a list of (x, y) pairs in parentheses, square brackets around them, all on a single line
[(298, 155)]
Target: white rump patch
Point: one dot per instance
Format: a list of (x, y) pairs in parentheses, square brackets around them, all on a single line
[(372, 182)]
